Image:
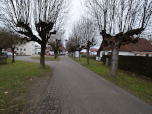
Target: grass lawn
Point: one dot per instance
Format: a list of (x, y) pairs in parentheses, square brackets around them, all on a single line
[(14, 78), (48, 58), (139, 86)]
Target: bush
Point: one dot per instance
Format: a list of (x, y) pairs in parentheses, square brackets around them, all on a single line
[(137, 64), (90, 56)]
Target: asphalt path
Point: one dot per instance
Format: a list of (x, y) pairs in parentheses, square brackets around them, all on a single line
[(73, 89)]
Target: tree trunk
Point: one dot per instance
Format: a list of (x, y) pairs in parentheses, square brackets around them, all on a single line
[(87, 56), (55, 54), (12, 55), (79, 56), (0, 51), (42, 57), (74, 54), (114, 61)]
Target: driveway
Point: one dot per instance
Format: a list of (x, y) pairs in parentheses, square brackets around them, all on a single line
[(73, 89)]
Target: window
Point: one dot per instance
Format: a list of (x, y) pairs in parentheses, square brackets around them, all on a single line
[(24, 49), (16, 48), (21, 49)]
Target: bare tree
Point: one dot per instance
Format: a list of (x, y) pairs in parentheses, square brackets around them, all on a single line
[(9, 40), (55, 43), (71, 45), (13, 41), (2, 42), (35, 19), (77, 38), (89, 34), (68, 46), (119, 21)]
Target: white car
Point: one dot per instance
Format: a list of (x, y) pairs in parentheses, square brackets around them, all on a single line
[(9, 53)]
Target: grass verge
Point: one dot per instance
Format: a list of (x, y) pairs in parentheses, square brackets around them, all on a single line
[(14, 78), (139, 86), (48, 58)]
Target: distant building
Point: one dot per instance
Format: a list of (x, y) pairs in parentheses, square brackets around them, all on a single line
[(93, 51), (28, 48), (62, 50)]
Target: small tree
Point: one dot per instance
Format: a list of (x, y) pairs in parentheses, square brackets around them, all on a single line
[(77, 38), (13, 40), (55, 43), (89, 34), (71, 45), (9, 40), (2, 42)]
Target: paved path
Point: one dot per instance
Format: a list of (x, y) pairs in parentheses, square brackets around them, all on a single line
[(73, 89)]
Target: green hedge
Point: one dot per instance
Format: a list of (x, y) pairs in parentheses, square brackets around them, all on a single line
[(90, 57), (137, 64)]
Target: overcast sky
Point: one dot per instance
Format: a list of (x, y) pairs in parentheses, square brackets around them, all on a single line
[(73, 16)]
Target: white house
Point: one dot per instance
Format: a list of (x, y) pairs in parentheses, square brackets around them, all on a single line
[(27, 48), (62, 50), (37, 49), (141, 48), (93, 51), (75, 54), (51, 52)]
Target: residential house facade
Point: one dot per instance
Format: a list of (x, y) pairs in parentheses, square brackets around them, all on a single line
[(141, 48), (28, 48), (93, 51)]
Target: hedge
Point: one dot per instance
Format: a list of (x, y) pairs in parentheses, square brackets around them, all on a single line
[(137, 64), (90, 57)]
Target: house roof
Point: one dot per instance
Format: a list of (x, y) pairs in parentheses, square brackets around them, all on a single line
[(106, 48), (93, 50), (141, 46), (83, 52)]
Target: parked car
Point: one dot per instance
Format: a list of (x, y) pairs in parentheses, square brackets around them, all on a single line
[(5, 54), (52, 54), (9, 53), (47, 53)]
